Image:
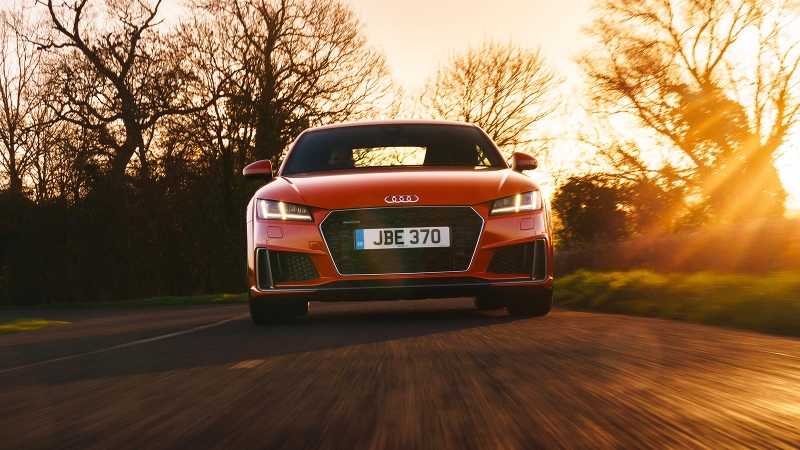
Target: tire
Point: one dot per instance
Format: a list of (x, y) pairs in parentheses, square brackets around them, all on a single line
[(484, 302), (534, 304), (273, 314)]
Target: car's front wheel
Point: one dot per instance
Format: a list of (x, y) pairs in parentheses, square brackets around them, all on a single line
[(264, 313), (533, 304)]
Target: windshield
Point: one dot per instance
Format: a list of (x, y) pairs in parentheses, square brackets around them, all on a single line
[(392, 146)]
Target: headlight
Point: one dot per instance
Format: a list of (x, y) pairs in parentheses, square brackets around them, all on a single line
[(272, 210), (527, 201)]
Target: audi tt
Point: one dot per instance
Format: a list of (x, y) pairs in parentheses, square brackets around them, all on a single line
[(391, 210)]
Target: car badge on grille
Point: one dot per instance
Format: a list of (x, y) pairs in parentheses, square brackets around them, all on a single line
[(401, 199)]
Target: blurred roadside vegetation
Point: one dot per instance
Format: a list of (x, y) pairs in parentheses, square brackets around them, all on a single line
[(756, 246), (743, 275), (768, 303)]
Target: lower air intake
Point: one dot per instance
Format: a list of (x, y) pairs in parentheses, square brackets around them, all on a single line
[(288, 266), (522, 259), (513, 259)]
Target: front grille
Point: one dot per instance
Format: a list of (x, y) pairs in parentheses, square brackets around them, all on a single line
[(512, 259), (287, 266), (339, 227)]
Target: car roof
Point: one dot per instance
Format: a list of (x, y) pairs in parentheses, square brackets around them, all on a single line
[(384, 122), (391, 122)]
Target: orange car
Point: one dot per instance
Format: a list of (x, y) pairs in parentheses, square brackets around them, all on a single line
[(390, 210)]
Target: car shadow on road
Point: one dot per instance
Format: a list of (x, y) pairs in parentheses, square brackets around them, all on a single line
[(326, 327), (362, 313)]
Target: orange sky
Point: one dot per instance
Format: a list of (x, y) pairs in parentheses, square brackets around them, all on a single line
[(416, 34)]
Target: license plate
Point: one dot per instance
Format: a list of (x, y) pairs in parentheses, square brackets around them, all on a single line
[(383, 238)]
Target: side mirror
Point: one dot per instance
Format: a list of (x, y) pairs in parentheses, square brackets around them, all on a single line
[(259, 170), (523, 161)]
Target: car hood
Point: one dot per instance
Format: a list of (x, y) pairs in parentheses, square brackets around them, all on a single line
[(342, 189)]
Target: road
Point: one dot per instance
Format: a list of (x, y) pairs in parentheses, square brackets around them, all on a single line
[(433, 374)]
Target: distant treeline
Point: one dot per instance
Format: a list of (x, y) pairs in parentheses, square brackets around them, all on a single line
[(110, 247)]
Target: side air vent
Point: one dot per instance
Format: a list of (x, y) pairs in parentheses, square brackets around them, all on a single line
[(263, 275), (540, 260)]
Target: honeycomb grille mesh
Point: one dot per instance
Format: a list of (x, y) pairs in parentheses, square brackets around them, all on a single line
[(512, 259), (339, 232)]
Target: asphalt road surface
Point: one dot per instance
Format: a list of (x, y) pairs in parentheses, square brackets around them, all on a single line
[(399, 375)]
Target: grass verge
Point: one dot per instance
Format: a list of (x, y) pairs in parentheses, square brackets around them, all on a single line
[(216, 299), (768, 303), (8, 326)]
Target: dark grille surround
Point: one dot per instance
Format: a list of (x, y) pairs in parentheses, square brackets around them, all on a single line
[(338, 230)]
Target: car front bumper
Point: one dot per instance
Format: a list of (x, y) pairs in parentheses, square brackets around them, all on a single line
[(334, 293), (327, 284)]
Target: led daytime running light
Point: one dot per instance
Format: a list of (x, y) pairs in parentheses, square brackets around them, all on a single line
[(282, 209), (527, 201), (272, 210)]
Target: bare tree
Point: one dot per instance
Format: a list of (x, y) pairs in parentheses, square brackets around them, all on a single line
[(120, 78), (21, 103), (502, 87), (714, 81), (293, 64)]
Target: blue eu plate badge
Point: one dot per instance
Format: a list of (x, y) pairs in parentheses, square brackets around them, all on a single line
[(359, 239)]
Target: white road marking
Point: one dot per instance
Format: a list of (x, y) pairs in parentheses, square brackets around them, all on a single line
[(129, 344)]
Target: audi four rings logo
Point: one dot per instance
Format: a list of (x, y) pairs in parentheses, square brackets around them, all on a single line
[(401, 199)]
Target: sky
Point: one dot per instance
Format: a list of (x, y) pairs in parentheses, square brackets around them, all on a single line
[(417, 34)]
